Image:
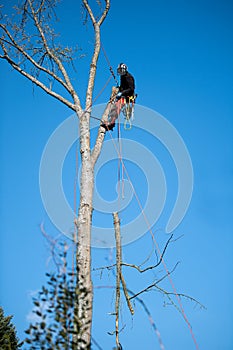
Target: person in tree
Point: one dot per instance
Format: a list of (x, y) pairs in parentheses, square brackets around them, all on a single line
[(127, 84), (126, 91)]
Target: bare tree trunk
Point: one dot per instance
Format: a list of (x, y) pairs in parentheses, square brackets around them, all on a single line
[(83, 254), (83, 257), (50, 62)]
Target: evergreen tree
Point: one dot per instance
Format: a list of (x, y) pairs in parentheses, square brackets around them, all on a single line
[(55, 324), (8, 338)]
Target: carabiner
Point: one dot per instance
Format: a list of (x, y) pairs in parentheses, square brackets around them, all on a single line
[(127, 124)]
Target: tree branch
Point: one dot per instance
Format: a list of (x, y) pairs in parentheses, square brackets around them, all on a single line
[(118, 274), (147, 268), (105, 12), (37, 82), (150, 267), (56, 60), (29, 57), (92, 17), (102, 130), (95, 56), (125, 289), (147, 311), (154, 284), (182, 295), (45, 50), (119, 278)]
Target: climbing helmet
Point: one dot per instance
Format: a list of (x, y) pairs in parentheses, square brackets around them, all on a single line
[(122, 69)]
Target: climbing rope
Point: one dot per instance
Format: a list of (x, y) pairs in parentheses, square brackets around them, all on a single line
[(156, 245), (109, 64), (124, 170)]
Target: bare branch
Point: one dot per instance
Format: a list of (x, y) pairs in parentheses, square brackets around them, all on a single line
[(155, 283), (95, 56), (92, 17), (118, 274), (55, 58), (150, 267), (147, 311), (17, 42), (93, 66), (105, 12), (29, 57), (125, 289), (136, 266), (181, 295), (37, 82), (119, 278), (102, 130)]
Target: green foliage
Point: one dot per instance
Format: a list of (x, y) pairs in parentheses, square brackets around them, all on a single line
[(8, 338), (56, 326)]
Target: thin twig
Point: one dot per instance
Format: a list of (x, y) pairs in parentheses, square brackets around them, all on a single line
[(20, 49), (155, 283), (36, 81), (137, 267), (150, 267), (181, 295)]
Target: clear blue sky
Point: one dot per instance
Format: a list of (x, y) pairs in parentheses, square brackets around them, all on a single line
[(181, 55)]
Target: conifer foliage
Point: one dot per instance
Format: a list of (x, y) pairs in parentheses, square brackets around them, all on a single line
[(8, 338), (55, 325)]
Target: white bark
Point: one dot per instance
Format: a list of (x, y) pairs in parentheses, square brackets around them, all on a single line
[(84, 222), (83, 257), (83, 312)]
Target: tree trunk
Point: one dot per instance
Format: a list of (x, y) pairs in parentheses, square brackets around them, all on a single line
[(11, 47), (84, 222)]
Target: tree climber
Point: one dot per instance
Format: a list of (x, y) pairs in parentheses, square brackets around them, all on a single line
[(127, 84), (126, 92)]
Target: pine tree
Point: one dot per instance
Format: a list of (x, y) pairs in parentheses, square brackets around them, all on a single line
[(8, 337), (55, 326)]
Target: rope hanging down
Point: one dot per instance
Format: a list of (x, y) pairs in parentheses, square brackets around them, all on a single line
[(119, 152), (156, 245), (109, 64)]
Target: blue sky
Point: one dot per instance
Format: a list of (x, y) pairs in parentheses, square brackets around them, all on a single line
[(181, 55)]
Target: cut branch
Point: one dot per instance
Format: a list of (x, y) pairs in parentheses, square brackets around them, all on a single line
[(147, 311), (118, 274), (119, 278)]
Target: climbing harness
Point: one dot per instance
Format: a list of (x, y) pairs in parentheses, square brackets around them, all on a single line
[(128, 111), (124, 105)]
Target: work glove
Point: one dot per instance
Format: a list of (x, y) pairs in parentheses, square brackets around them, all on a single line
[(118, 96)]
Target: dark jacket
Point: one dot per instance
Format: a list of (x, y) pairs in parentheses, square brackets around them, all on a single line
[(127, 85)]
